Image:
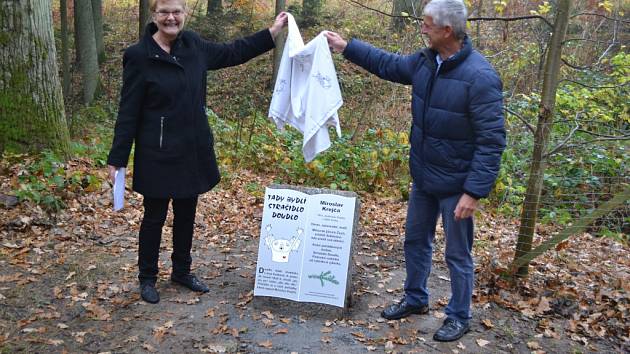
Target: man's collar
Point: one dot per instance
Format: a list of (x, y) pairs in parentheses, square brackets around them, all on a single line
[(451, 61)]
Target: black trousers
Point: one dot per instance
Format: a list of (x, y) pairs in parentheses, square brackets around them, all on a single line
[(155, 210)]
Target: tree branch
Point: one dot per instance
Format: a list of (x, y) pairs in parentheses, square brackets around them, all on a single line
[(530, 127), (381, 12), (509, 19), (576, 67), (594, 87), (600, 15), (582, 143), (604, 136), (601, 137), (614, 41), (506, 19), (566, 139), (583, 39)]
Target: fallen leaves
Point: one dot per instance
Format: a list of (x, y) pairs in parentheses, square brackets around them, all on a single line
[(543, 306), (481, 342), (533, 345), (79, 337), (10, 278), (159, 332), (358, 334), (389, 345), (590, 296), (281, 331), (439, 314), (266, 344), (97, 312), (149, 347), (487, 323), (131, 339), (245, 299)]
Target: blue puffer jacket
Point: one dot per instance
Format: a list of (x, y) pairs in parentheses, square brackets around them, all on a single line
[(457, 135)]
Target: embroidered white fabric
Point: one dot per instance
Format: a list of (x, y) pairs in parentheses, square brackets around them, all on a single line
[(306, 93)]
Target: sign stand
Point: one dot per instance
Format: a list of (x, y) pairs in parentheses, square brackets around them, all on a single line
[(306, 249)]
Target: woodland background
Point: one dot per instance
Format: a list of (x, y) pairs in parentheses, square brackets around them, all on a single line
[(553, 236)]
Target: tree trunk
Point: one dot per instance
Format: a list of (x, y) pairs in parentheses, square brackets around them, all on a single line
[(75, 25), (144, 18), (215, 7), (32, 113), (478, 29), (97, 17), (280, 39), (543, 129), (65, 50), (412, 7), (86, 43)]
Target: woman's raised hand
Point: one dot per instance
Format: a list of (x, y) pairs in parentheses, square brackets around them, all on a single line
[(280, 22)]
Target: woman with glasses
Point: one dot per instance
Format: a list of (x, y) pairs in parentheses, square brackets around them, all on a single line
[(162, 111)]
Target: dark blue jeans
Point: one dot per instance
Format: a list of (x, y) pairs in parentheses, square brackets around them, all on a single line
[(155, 210), (422, 214)]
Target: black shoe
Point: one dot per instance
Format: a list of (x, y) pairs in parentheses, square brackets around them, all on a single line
[(403, 309), (451, 330), (191, 282), (149, 293)]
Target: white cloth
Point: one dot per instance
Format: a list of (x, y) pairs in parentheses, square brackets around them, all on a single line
[(306, 93)]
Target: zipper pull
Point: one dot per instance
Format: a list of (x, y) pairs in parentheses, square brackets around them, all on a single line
[(161, 130)]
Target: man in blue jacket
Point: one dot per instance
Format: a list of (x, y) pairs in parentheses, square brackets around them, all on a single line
[(457, 138)]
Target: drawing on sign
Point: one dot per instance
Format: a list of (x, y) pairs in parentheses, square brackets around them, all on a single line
[(281, 248), (327, 276)]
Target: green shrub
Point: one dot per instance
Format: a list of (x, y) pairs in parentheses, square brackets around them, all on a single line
[(375, 163)]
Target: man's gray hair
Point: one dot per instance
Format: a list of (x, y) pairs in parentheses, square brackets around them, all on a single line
[(448, 13)]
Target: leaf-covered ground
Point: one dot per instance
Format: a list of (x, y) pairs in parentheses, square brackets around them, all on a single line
[(68, 284)]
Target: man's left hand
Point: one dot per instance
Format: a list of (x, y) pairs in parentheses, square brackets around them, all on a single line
[(466, 206)]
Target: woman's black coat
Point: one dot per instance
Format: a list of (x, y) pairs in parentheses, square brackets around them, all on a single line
[(163, 110)]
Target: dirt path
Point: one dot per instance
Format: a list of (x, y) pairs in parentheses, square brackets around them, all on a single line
[(69, 285)]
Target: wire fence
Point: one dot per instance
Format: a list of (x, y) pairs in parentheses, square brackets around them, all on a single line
[(583, 191)]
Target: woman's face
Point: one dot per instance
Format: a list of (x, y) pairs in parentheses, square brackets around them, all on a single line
[(169, 16)]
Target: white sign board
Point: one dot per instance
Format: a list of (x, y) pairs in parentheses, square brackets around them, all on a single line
[(304, 249)]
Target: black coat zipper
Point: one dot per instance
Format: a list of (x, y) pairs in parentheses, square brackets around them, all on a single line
[(161, 131)]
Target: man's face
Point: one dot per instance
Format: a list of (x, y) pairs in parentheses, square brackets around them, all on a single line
[(436, 35), (169, 16)]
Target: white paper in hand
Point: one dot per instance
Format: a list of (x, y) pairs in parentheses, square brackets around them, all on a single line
[(119, 188)]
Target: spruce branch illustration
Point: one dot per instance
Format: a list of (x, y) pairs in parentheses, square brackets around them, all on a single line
[(325, 276)]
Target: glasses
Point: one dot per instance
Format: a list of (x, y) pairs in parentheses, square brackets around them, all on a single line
[(164, 13)]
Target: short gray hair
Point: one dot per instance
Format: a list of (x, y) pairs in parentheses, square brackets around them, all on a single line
[(448, 13)]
